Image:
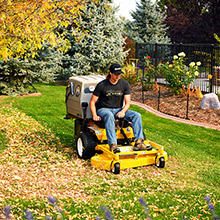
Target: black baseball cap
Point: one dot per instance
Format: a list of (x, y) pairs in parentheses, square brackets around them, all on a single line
[(115, 68)]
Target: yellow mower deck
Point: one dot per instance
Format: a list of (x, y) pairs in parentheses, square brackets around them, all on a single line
[(128, 158)]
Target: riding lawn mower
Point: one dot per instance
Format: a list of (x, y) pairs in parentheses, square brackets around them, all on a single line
[(90, 136)]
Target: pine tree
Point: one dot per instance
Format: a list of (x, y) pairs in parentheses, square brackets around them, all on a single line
[(148, 26), (17, 75), (102, 44)]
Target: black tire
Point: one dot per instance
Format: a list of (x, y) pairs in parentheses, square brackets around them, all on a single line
[(161, 162), (85, 145), (116, 168)]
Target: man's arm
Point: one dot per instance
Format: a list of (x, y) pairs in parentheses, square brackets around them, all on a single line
[(92, 106), (127, 99)]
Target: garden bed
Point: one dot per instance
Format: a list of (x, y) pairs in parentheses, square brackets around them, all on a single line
[(176, 105)]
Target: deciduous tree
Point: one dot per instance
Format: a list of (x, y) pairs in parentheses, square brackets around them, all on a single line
[(193, 21), (26, 25), (30, 42)]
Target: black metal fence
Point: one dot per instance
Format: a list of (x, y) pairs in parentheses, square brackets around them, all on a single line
[(208, 55)]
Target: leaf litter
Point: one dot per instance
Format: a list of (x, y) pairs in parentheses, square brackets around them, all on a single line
[(34, 166)]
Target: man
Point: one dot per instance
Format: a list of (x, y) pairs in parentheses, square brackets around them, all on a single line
[(111, 99)]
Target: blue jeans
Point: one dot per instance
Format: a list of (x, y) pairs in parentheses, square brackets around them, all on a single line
[(109, 115)]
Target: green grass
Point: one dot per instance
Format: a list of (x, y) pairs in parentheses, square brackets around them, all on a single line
[(192, 170), (49, 109), (2, 141)]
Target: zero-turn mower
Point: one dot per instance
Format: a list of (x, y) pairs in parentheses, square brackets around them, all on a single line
[(90, 136)]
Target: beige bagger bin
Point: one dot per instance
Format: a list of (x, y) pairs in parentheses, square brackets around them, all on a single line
[(79, 91)]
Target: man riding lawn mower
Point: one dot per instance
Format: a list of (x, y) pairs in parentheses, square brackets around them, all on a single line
[(105, 129)]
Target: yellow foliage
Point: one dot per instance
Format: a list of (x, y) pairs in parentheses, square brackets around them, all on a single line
[(26, 25), (188, 89), (198, 93), (195, 92), (183, 92), (156, 87)]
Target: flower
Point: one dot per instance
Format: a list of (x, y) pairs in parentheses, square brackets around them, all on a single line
[(178, 74), (7, 210), (148, 57), (28, 215), (210, 76), (192, 64), (196, 73), (108, 214), (182, 54), (52, 200), (141, 200), (198, 63), (211, 207)]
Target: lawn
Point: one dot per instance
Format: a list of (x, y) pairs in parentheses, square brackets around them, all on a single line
[(2, 141), (38, 159)]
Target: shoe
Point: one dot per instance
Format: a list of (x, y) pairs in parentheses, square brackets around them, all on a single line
[(139, 145), (114, 148)]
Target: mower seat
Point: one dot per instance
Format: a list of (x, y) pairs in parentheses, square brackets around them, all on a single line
[(118, 122)]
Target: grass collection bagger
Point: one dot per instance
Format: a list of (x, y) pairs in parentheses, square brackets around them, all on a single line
[(90, 136)]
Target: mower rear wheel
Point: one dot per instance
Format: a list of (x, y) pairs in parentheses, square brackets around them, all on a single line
[(161, 162), (85, 145), (116, 168)]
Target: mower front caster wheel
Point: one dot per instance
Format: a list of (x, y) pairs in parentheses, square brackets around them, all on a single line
[(116, 168), (161, 162)]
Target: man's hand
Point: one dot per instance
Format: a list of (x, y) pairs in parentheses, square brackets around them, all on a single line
[(121, 114), (96, 118)]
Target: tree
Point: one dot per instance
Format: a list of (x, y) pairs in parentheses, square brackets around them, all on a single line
[(100, 46), (192, 21), (148, 26), (130, 47), (17, 75), (26, 25), (30, 41)]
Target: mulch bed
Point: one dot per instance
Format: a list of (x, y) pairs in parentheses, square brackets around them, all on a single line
[(176, 105)]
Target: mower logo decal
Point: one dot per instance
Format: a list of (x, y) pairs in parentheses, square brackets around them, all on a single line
[(114, 93), (128, 129), (93, 128), (97, 131)]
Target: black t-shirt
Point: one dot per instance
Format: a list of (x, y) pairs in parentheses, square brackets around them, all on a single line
[(110, 95)]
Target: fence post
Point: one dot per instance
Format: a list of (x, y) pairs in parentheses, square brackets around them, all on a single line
[(155, 61), (155, 55), (136, 50), (187, 106), (158, 104), (211, 72), (142, 85)]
